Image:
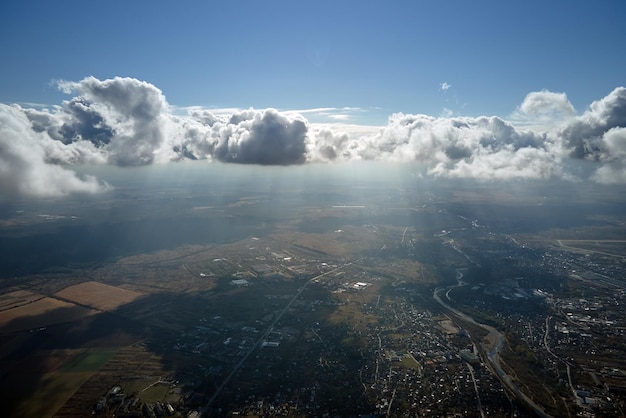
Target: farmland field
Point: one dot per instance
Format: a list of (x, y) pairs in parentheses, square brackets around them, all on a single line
[(41, 313), (17, 298), (89, 361), (56, 389), (98, 295), (609, 247), (63, 371)]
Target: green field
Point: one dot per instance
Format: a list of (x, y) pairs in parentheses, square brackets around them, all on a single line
[(54, 388), (148, 390), (410, 363), (156, 393), (89, 361)]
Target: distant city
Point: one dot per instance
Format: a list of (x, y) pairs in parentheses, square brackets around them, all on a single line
[(434, 299)]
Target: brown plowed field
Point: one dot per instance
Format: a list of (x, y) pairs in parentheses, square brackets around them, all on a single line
[(98, 295), (41, 313)]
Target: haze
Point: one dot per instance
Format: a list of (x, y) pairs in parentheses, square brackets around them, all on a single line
[(312, 209)]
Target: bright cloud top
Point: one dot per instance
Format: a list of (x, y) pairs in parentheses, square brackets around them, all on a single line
[(127, 122)]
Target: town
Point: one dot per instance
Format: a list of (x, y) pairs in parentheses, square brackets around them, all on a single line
[(450, 317), (336, 337)]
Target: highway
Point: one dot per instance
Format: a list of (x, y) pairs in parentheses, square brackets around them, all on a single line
[(269, 329)]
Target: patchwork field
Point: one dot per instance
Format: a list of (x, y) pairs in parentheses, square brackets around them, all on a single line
[(98, 295), (17, 298), (615, 248), (134, 368), (41, 313), (62, 373)]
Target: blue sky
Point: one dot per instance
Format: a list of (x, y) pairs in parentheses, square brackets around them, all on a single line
[(487, 90), (383, 56)]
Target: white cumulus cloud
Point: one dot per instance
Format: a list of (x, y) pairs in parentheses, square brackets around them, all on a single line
[(25, 167), (547, 103), (128, 122)]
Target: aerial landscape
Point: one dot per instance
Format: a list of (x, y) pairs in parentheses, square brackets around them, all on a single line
[(282, 211)]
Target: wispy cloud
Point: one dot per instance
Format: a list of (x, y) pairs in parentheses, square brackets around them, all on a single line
[(326, 110), (329, 114), (445, 86), (341, 116)]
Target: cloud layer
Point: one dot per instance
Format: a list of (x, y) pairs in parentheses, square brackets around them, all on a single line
[(128, 122)]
